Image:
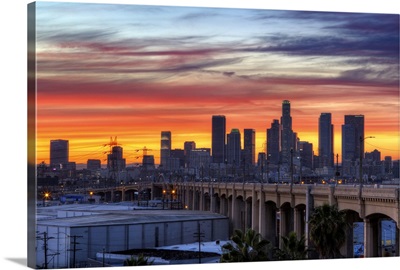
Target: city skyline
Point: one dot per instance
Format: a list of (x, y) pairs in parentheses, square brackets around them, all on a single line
[(142, 74)]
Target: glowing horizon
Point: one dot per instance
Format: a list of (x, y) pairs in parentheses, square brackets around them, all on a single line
[(132, 71)]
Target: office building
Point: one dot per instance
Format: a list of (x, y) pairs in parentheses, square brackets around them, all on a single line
[(233, 148), (187, 147), (165, 152), (396, 169), (179, 156), (93, 164), (218, 139), (287, 140), (306, 154), (352, 142), (148, 162), (274, 142), (199, 161), (59, 153), (115, 160), (249, 146), (374, 156), (388, 164), (325, 140)]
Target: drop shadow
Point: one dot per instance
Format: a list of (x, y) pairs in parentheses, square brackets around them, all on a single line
[(20, 261)]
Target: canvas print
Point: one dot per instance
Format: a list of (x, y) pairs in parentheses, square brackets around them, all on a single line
[(166, 135)]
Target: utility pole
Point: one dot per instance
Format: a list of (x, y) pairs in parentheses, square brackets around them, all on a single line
[(361, 157), (199, 235), (103, 256), (45, 248), (74, 250)]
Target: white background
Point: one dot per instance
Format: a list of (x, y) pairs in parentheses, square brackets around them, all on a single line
[(13, 125)]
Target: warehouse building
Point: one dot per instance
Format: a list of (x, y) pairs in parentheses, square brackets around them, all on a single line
[(70, 235)]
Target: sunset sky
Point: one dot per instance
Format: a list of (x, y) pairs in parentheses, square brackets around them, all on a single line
[(131, 71)]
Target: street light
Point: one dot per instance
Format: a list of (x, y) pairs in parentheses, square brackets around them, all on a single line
[(361, 157), (46, 196), (163, 199), (268, 159), (291, 166)]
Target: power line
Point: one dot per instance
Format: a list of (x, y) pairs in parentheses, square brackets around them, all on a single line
[(45, 248), (381, 148), (74, 249)]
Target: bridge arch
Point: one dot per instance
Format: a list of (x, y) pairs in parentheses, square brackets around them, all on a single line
[(286, 221), (269, 226), (299, 220), (381, 236)]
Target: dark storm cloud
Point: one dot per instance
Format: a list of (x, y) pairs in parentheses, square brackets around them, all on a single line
[(339, 34)]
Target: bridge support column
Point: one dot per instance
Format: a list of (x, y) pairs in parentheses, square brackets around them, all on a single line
[(347, 249), (112, 195), (370, 238), (195, 200), (248, 211), (261, 215), (201, 199), (212, 200), (189, 200), (233, 208), (299, 222), (123, 195), (223, 206), (286, 223), (255, 212), (270, 226)]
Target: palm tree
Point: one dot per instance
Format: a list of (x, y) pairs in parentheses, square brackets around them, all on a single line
[(137, 261), (292, 248), (328, 230), (246, 247)]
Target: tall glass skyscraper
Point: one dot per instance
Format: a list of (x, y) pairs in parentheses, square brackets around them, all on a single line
[(165, 148), (249, 146), (325, 141), (59, 152), (352, 145), (218, 140), (287, 133), (234, 148), (274, 142)]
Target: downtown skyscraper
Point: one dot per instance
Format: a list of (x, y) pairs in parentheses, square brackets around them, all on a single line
[(115, 160), (59, 152), (287, 141), (165, 148), (218, 138), (325, 141), (234, 148), (274, 142), (249, 146), (352, 141)]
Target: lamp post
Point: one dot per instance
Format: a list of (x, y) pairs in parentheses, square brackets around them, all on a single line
[(163, 199), (268, 159), (291, 166), (172, 198), (262, 170), (45, 197), (361, 157)]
